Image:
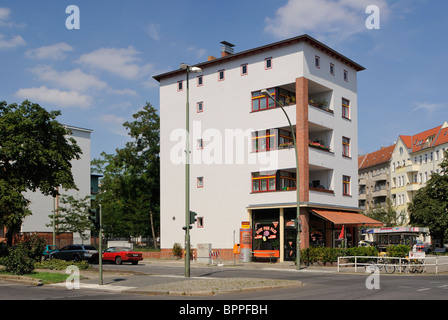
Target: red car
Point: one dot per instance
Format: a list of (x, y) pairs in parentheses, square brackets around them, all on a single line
[(119, 255)]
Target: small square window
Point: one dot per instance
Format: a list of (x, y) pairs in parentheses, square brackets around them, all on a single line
[(345, 75), (244, 69), (200, 144), (200, 182), (180, 85), (317, 62), (332, 69), (200, 222), (221, 76), (268, 63), (200, 107), (200, 81)]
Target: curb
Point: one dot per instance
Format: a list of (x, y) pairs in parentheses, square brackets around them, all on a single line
[(21, 279)]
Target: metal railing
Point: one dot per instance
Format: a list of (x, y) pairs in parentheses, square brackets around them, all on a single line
[(429, 264)]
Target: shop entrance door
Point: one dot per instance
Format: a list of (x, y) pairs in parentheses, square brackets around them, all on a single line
[(290, 244)]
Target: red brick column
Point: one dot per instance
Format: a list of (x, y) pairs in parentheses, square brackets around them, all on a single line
[(302, 137)]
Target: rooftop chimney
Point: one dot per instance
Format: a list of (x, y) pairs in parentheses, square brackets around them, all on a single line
[(226, 49)]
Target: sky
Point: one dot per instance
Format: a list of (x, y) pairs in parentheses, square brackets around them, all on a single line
[(100, 72)]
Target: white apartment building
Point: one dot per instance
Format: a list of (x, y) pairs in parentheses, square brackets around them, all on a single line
[(414, 159), (42, 206), (242, 158)]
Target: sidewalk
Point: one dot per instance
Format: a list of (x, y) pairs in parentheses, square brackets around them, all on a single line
[(177, 285)]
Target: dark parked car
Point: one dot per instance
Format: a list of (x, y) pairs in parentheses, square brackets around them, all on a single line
[(76, 252)]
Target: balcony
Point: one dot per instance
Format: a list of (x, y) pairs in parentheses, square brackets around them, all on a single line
[(320, 97), (380, 192), (413, 186), (413, 168), (380, 177)]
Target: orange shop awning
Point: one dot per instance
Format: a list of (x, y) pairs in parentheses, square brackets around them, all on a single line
[(346, 218)]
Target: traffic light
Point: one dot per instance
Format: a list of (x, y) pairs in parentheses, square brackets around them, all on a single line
[(193, 217), (94, 216)]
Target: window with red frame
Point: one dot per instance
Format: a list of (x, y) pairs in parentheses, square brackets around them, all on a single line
[(346, 147), (345, 108), (221, 75), (200, 182), (261, 102), (268, 63), (263, 181), (346, 185), (264, 140)]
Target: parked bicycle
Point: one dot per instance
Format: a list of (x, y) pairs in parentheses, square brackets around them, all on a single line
[(412, 265), (381, 262)]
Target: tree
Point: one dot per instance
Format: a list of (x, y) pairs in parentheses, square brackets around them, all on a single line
[(35, 154), (130, 185), (387, 215), (429, 207), (72, 216)]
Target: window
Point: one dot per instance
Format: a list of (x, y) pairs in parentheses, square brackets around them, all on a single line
[(200, 107), (200, 182), (244, 69), (346, 147), (200, 81), (200, 144), (261, 102), (200, 222), (268, 63), (264, 140), (221, 75), (345, 75), (317, 62), (346, 185), (263, 181), (332, 69), (345, 108), (180, 85), (267, 181)]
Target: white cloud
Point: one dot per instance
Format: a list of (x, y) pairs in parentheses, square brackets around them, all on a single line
[(55, 52), (13, 42), (62, 99), (154, 31), (324, 19), (74, 80), (428, 108), (118, 61), (114, 124)]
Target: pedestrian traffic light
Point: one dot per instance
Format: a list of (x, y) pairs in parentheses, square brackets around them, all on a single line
[(94, 216), (193, 217)]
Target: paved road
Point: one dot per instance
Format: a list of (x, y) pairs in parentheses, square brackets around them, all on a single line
[(318, 284)]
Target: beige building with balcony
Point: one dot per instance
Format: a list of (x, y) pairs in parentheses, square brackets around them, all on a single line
[(397, 172), (374, 178)]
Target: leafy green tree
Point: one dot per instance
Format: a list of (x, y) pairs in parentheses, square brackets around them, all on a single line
[(429, 207), (130, 185), (387, 215), (35, 154), (72, 216)]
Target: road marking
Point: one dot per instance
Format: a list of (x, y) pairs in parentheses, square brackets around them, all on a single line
[(424, 289), (97, 287)]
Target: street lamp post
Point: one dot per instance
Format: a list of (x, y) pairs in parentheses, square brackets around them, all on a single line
[(188, 69), (267, 94)]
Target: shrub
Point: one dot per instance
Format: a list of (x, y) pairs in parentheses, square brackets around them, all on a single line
[(400, 250), (177, 250), (18, 260), (56, 264)]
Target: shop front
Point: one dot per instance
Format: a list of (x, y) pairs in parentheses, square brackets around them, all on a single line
[(274, 230)]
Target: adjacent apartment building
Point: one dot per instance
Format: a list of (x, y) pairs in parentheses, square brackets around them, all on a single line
[(42, 206), (242, 156), (397, 172)]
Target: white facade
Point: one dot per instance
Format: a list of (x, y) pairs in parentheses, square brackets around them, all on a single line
[(42, 206), (221, 171)]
